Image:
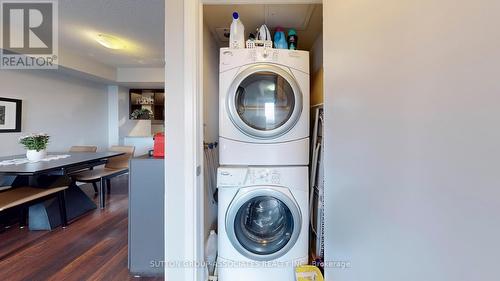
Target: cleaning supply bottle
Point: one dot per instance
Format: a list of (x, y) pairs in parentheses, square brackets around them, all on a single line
[(292, 39), (237, 33), (279, 39), (211, 252)]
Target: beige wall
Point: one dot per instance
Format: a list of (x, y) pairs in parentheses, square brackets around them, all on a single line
[(412, 139), (317, 71), (210, 87), (210, 114), (317, 88)]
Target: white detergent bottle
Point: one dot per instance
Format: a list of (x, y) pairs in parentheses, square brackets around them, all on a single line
[(211, 252), (237, 33)]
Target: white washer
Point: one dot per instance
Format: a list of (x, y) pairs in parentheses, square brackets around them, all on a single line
[(262, 222), (263, 107)]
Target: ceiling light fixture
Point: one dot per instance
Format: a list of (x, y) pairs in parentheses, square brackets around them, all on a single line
[(110, 42)]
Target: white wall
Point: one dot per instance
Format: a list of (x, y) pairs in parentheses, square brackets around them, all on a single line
[(210, 113), (113, 115), (412, 139), (70, 110)]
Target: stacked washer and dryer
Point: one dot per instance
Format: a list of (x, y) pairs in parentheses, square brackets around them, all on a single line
[(263, 216)]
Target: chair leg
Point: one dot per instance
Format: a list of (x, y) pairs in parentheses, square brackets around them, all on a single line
[(94, 184), (62, 208), (23, 218), (102, 195), (108, 185)]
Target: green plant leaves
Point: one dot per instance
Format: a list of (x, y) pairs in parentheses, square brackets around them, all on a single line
[(35, 142)]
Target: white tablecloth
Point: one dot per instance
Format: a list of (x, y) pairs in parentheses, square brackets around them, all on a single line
[(20, 161)]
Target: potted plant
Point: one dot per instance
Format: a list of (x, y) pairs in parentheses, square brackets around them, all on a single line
[(141, 114), (36, 145)]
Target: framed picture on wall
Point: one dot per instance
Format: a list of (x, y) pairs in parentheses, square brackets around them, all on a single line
[(10, 115)]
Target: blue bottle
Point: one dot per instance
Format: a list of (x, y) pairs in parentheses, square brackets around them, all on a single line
[(280, 39)]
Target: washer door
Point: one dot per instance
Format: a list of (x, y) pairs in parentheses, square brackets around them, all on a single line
[(264, 101), (263, 224)]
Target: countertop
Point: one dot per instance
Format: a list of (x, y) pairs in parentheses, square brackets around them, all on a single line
[(147, 157), (138, 137)]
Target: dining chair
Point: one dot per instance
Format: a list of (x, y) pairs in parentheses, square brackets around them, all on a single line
[(84, 148), (114, 166)]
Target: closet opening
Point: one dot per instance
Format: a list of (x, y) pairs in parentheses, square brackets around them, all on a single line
[(262, 123)]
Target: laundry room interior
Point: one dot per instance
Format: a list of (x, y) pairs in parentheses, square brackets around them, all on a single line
[(262, 120)]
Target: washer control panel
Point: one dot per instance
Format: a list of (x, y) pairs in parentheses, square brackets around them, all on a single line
[(262, 176), (233, 177)]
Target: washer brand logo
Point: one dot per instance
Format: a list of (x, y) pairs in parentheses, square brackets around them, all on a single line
[(29, 35)]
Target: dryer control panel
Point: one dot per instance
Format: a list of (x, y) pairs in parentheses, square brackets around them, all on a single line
[(232, 177), (264, 55), (232, 58)]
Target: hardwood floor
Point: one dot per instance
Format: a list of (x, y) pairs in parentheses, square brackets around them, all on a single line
[(93, 247)]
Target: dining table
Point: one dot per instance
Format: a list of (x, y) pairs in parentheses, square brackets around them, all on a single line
[(53, 173)]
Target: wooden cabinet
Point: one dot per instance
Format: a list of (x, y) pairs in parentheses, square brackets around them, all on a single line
[(143, 100)]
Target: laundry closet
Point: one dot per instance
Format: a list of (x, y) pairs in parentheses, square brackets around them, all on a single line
[(262, 123)]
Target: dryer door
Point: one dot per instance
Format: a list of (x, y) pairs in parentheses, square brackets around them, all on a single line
[(263, 223), (264, 101)]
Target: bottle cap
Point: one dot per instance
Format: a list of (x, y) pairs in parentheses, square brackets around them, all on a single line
[(279, 29), (292, 32), (235, 15)]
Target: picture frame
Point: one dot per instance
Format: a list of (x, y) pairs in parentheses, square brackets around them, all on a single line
[(10, 115)]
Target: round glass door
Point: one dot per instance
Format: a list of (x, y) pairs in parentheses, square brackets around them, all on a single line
[(264, 101), (264, 226)]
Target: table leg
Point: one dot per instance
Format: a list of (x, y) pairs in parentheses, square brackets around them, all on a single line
[(46, 215), (62, 208), (102, 193)]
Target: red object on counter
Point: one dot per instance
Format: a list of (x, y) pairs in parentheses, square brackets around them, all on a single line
[(159, 146)]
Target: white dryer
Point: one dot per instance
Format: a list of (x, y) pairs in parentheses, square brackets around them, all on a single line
[(263, 223), (264, 107)]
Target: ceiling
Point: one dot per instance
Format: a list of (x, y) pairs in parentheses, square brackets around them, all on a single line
[(306, 18), (138, 23)]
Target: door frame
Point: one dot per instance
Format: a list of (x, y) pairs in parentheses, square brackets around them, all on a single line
[(183, 211), (184, 205)]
